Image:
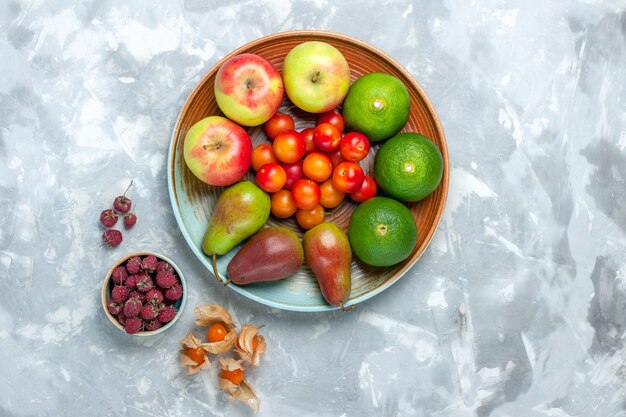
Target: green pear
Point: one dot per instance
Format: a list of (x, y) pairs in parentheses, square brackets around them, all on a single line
[(240, 211)]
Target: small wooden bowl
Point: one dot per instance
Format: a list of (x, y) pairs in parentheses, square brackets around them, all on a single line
[(107, 286), (193, 201)]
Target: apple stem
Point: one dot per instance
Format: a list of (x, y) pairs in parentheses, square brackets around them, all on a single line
[(215, 272), (213, 147), (228, 281), (315, 77)]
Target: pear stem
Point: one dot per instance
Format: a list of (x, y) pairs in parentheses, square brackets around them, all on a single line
[(215, 272), (344, 308), (228, 281)]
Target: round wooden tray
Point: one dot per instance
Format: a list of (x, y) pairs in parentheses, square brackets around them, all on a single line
[(193, 201)]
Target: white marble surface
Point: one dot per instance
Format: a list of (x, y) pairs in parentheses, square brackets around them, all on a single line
[(516, 309)]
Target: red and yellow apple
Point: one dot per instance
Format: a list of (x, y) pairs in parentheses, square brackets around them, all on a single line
[(248, 89), (217, 151), (316, 76)]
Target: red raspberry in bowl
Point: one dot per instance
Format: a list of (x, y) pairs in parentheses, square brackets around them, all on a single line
[(165, 279), (152, 325), (174, 293), (167, 314), (119, 294), (115, 308), (133, 325), (149, 263), (148, 312), (132, 307), (133, 266), (119, 275), (144, 283), (154, 297)]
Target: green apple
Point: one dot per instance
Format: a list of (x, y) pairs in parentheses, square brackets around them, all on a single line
[(248, 89), (316, 76)]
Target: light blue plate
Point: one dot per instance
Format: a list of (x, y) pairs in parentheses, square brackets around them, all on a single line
[(193, 201)]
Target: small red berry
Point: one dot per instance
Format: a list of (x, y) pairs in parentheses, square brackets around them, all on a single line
[(148, 312), (165, 279), (154, 297), (174, 293), (119, 294), (149, 263), (138, 295), (123, 203), (165, 266), (108, 218), (114, 308), (132, 307), (112, 237), (119, 275), (133, 265), (167, 314), (133, 325), (121, 317), (131, 282), (129, 220), (144, 283), (153, 325)]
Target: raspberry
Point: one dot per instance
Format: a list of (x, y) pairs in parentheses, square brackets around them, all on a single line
[(149, 263), (153, 325), (119, 294), (148, 312), (132, 307), (123, 203), (144, 283), (165, 279), (165, 266), (129, 220), (121, 317), (167, 314), (108, 218), (138, 295), (174, 293), (133, 265), (133, 325), (154, 297), (114, 308), (119, 275), (131, 282), (112, 237)]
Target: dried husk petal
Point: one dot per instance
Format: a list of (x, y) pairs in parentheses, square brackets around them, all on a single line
[(245, 345), (209, 314), (242, 392), (191, 366)]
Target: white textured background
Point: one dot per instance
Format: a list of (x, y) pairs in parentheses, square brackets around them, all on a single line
[(516, 309)]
